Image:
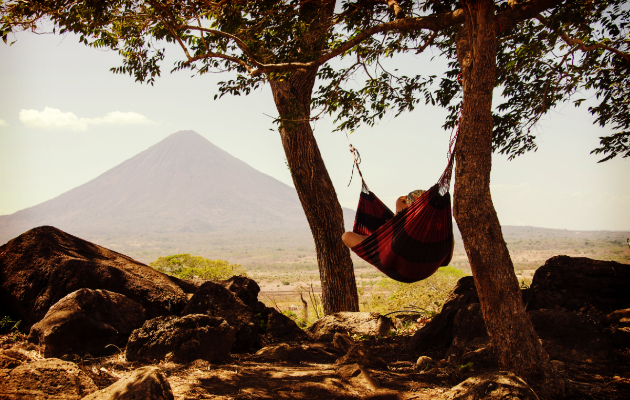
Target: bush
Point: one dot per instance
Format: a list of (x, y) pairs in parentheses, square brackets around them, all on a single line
[(426, 296), (186, 266), (7, 324)]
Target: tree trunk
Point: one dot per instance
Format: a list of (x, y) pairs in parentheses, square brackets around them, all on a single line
[(316, 191), (514, 340)]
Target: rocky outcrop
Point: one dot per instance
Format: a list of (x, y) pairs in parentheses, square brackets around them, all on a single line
[(438, 333), (571, 336), (617, 327), (496, 386), (274, 326), (181, 339), (216, 301), (43, 265), (471, 343), (580, 284), (246, 290), (46, 379), (352, 323), (10, 359), (280, 328), (566, 336), (143, 383), (86, 321)]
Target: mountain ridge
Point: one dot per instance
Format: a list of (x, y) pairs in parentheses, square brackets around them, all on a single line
[(183, 183)]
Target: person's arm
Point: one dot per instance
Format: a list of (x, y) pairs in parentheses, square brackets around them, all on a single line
[(401, 204)]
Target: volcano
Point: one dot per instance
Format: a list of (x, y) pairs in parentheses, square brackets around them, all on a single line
[(181, 185)]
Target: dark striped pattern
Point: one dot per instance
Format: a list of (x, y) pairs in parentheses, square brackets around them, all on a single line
[(412, 245), (371, 214)]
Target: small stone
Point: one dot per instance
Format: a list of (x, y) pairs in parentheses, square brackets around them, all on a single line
[(342, 342), (425, 362)]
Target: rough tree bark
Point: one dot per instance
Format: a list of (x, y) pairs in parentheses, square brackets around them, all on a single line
[(514, 340), (310, 177)]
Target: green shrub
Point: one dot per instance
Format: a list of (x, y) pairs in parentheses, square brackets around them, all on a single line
[(426, 296), (186, 266), (7, 324)]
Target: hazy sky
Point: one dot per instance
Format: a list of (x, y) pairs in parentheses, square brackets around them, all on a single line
[(65, 119)]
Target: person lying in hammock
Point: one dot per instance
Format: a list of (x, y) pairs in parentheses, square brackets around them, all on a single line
[(352, 239)]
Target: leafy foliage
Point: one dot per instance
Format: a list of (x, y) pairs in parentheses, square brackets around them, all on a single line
[(7, 324), (571, 50), (186, 266), (425, 296)]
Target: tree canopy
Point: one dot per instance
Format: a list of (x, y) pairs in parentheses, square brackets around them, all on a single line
[(549, 53)]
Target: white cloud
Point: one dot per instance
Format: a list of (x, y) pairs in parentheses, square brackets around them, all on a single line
[(3, 123), (122, 118), (52, 118)]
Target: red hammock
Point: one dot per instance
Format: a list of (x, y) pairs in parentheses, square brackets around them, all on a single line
[(413, 244)]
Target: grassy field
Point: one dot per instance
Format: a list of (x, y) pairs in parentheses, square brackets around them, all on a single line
[(285, 264)]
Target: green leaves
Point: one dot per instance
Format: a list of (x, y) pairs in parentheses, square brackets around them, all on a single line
[(577, 50), (186, 266)]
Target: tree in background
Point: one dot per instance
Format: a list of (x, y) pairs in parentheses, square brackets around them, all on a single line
[(541, 52), (255, 39), (186, 266)]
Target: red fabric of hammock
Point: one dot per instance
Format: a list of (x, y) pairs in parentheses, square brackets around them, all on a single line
[(371, 213), (411, 245)]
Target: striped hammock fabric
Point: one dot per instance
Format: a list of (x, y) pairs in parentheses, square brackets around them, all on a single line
[(411, 245)]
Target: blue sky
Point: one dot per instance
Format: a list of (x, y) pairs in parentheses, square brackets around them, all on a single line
[(65, 119)]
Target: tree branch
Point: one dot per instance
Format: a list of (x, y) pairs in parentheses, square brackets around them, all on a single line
[(580, 44), (508, 19)]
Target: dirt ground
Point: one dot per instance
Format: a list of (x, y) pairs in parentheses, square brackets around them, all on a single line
[(316, 376)]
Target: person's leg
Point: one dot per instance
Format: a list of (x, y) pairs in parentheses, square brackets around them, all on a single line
[(351, 239)]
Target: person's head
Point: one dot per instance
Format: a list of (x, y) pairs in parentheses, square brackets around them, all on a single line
[(413, 196), (405, 201)]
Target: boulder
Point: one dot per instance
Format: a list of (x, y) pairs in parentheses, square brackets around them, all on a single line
[(86, 321), (495, 386), (245, 289), (46, 379), (275, 327), (620, 318), (351, 323), (342, 342), (281, 352), (143, 383), (571, 336), (471, 343), (182, 339), (566, 336), (216, 301), (580, 284), (280, 328), (10, 359), (188, 286), (438, 333), (617, 327), (296, 353), (43, 265), (424, 363), (619, 336)]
